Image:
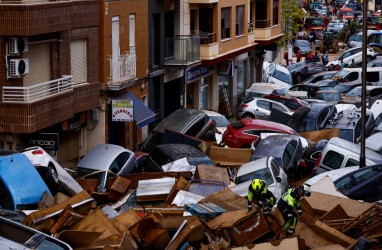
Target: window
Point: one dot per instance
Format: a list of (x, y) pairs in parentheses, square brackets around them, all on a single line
[(333, 160), (275, 12), (279, 107), (351, 77), (263, 104), (351, 162), (289, 153), (225, 23), (239, 20)]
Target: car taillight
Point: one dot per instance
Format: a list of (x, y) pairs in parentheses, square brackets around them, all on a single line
[(243, 105), (37, 152), (317, 163)]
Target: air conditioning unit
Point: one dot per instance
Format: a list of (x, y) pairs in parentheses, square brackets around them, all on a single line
[(17, 45), (18, 67)]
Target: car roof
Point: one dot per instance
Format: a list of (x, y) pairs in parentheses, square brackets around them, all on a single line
[(353, 147), (249, 166), (101, 156)]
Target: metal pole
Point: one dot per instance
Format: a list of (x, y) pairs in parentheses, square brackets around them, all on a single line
[(364, 69)]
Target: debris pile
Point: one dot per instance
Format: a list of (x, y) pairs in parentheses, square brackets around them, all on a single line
[(181, 210)]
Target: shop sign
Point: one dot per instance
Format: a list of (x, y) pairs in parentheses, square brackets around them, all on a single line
[(196, 72), (75, 123), (48, 141), (122, 111), (225, 68)]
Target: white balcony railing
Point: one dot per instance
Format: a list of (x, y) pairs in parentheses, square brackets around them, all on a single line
[(123, 68), (38, 91)]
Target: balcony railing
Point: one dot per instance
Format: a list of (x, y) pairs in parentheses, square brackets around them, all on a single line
[(182, 50), (262, 23), (205, 37), (123, 68), (251, 26), (37, 92)]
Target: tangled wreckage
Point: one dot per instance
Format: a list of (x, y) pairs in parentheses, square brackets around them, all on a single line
[(185, 210)]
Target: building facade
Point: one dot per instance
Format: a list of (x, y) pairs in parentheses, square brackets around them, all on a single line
[(49, 75), (203, 54), (123, 72)]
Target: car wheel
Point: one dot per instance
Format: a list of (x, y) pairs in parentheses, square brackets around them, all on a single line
[(248, 115), (298, 78), (51, 178)]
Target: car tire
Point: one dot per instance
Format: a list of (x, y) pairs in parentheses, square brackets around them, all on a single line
[(51, 178), (248, 115)]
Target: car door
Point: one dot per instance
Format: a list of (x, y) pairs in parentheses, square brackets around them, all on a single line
[(262, 109)]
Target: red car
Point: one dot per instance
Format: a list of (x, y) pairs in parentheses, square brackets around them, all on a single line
[(242, 133)]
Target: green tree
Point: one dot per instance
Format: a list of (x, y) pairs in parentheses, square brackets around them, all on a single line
[(291, 20)]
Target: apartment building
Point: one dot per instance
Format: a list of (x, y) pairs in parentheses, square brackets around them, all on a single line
[(203, 54), (124, 114), (49, 75)]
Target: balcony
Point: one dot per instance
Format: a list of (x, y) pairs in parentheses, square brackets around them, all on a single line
[(209, 47), (182, 50), (123, 70), (32, 108), (265, 31), (251, 32)]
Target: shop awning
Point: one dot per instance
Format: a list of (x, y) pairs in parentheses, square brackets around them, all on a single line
[(142, 115)]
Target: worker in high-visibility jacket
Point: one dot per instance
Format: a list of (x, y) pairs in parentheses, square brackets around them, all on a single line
[(290, 200), (259, 194)]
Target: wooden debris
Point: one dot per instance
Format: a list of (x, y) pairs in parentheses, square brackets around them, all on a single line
[(44, 219), (333, 234), (206, 172), (229, 157)]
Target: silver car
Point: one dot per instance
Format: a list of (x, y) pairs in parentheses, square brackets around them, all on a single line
[(260, 108), (105, 161), (266, 169)]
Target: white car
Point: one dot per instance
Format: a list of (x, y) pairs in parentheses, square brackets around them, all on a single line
[(277, 74), (349, 55), (265, 169), (260, 108), (54, 175), (221, 123)]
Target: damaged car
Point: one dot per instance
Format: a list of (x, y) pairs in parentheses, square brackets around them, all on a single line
[(21, 186), (55, 176), (105, 161), (266, 169), (364, 184)]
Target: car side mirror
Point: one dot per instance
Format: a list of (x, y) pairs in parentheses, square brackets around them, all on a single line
[(278, 179)]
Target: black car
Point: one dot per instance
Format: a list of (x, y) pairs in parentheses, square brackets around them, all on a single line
[(191, 122), (166, 153), (363, 184), (313, 117), (302, 70), (319, 76)]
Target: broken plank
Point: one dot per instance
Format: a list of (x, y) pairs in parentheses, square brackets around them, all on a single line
[(333, 234)]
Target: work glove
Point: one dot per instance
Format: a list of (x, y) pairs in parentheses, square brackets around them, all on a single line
[(250, 207)]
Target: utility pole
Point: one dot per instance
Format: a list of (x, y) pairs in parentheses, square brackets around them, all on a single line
[(362, 162)]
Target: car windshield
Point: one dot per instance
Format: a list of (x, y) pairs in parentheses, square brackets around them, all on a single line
[(373, 20), (279, 75), (355, 178), (357, 38), (99, 177), (355, 92), (375, 38), (263, 174), (346, 134), (340, 74)]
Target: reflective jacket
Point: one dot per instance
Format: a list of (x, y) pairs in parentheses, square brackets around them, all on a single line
[(292, 198), (260, 196)]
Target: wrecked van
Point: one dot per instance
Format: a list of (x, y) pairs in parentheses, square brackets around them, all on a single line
[(340, 153), (21, 186)]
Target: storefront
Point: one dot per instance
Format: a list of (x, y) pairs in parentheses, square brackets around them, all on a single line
[(198, 80)]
